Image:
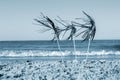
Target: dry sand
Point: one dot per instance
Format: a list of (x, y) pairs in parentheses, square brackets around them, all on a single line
[(56, 70)]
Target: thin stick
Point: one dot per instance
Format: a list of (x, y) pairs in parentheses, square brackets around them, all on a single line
[(88, 49), (74, 48), (59, 48)]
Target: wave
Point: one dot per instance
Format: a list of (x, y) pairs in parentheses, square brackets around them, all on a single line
[(54, 53)]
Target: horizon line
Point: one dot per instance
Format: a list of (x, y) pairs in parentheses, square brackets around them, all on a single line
[(60, 40)]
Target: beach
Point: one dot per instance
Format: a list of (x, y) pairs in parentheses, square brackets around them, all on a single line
[(58, 70)]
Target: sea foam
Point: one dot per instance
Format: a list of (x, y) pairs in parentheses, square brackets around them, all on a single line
[(54, 53)]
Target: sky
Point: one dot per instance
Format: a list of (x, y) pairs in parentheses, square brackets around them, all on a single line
[(16, 17)]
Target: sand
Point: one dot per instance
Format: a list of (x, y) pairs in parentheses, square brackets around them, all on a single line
[(56, 70)]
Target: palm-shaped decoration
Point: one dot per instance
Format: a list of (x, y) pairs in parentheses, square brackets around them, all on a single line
[(69, 27), (90, 29), (48, 23)]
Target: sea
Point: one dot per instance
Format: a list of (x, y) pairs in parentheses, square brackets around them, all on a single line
[(48, 50)]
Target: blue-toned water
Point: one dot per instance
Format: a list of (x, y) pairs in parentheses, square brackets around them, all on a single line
[(50, 48)]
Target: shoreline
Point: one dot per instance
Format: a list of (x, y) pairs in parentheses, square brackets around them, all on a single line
[(52, 58)]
